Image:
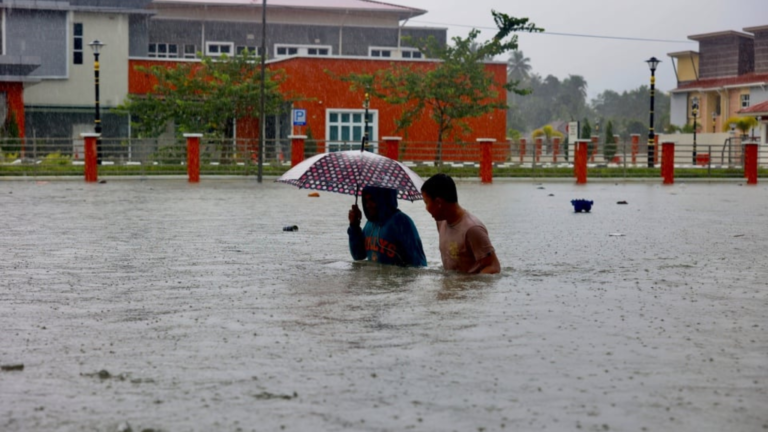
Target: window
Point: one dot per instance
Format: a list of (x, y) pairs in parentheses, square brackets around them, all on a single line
[(190, 51), (218, 48), (285, 51), (411, 54), (163, 50), (345, 129), (745, 101), (311, 50), (77, 44), (381, 53), (390, 52)]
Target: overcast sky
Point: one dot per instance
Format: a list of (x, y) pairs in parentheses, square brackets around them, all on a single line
[(606, 64)]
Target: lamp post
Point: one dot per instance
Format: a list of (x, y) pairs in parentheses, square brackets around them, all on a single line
[(96, 47), (652, 63), (694, 111), (714, 120)]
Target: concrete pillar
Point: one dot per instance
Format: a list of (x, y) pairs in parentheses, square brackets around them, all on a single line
[(297, 149), (668, 162), (486, 159), (539, 144), (750, 162), (91, 157), (193, 156), (391, 147), (580, 161)]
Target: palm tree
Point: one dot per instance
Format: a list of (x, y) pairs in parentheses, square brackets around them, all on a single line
[(518, 66)]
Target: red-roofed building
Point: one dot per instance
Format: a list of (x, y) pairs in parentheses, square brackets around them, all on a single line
[(726, 77)]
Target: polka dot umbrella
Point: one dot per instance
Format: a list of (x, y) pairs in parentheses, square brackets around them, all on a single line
[(347, 172)]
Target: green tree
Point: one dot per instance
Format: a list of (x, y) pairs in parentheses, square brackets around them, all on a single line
[(204, 97), (629, 109), (586, 133), (586, 129), (743, 124), (609, 147), (457, 88), (518, 66)]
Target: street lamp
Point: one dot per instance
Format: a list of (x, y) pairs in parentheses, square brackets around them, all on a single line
[(714, 120), (652, 63), (96, 46), (694, 111)]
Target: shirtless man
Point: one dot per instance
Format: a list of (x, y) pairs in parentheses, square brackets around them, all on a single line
[(464, 243)]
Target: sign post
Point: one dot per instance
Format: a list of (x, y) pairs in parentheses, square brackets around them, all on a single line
[(573, 136), (299, 118)]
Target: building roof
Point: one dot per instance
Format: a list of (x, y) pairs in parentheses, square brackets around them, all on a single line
[(756, 29), (355, 5), (682, 53), (746, 80), (703, 36), (761, 108)]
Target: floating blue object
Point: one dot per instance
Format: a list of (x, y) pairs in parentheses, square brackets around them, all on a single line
[(582, 205)]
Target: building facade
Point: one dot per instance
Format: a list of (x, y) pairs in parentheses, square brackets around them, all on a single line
[(727, 76), (47, 66), (58, 94)]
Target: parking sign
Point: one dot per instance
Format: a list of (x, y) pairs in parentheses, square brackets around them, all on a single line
[(299, 117)]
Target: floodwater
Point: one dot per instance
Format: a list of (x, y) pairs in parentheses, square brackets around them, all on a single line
[(164, 306)]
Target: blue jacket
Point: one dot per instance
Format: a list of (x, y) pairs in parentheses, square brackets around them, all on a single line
[(389, 238)]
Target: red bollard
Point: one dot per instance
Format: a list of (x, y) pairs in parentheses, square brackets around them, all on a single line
[(555, 148), (750, 162), (539, 143), (580, 161), (91, 157), (522, 149), (392, 147), (193, 156), (635, 147), (486, 159), (668, 162), (297, 149)]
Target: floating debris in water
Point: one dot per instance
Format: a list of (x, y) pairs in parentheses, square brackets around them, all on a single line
[(616, 235), (291, 228), (582, 205), (102, 181), (621, 202), (314, 195), (12, 367)]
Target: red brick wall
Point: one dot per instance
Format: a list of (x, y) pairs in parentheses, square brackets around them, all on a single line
[(313, 79)]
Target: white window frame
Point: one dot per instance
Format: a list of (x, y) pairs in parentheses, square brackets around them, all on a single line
[(394, 52), (744, 99), (166, 54), (352, 144), (209, 44), (303, 50), (414, 53)]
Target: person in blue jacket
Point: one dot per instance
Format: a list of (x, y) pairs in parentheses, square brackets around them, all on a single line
[(389, 235)]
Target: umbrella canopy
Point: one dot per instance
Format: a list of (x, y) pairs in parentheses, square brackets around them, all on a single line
[(347, 172)]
